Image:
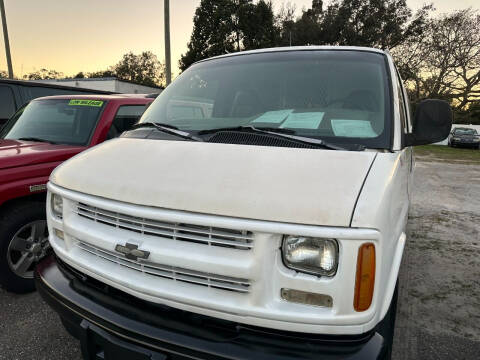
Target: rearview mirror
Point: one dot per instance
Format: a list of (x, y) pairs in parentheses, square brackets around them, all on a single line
[(433, 123)]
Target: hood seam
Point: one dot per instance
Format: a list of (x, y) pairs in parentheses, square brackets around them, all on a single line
[(361, 189)]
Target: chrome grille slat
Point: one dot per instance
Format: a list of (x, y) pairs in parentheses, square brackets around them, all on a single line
[(171, 272), (238, 239)]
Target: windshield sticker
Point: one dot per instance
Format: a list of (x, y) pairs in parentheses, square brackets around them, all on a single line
[(303, 120), (77, 102), (273, 117), (353, 128)]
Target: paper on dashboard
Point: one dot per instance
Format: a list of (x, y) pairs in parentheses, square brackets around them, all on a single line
[(303, 120), (353, 128), (273, 117)]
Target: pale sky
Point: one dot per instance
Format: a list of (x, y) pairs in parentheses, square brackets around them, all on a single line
[(89, 35)]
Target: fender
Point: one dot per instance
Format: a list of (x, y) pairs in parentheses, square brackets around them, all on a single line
[(25, 180)]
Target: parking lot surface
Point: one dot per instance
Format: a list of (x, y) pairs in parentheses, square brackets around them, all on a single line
[(438, 315)]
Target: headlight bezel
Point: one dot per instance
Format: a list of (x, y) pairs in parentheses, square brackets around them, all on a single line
[(307, 269), (56, 207)]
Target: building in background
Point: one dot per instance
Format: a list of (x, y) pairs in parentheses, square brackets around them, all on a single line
[(105, 84)]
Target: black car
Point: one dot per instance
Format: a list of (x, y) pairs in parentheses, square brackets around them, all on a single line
[(465, 137)]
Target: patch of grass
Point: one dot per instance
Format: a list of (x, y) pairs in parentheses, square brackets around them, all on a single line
[(446, 153)]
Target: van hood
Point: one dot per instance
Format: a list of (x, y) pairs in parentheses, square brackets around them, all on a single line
[(15, 153), (303, 186)]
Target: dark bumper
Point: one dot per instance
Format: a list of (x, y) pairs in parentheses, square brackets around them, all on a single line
[(113, 325), (461, 143)]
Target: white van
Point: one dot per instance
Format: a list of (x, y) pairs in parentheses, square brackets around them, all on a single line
[(271, 226)]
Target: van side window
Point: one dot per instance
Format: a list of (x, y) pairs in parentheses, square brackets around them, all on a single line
[(7, 103), (126, 117)]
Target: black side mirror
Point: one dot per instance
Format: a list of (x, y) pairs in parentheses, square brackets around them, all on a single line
[(433, 123)]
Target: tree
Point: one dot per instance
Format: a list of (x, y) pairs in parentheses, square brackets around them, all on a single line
[(257, 24), (446, 61), (3, 74), (383, 24), (144, 68), (213, 25), (79, 75), (225, 26), (101, 74), (285, 22), (43, 74)]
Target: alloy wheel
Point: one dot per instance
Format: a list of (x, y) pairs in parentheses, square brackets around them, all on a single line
[(28, 246)]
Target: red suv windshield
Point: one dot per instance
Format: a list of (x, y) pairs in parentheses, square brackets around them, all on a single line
[(64, 121)]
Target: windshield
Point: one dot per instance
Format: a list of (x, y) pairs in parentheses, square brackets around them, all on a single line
[(64, 121), (465, 132), (336, 96)]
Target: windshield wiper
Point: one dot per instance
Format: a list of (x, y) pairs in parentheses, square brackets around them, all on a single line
[(289, 134), (37, 140), (246, 128), (169, 129)]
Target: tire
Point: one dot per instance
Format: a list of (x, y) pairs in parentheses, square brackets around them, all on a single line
[(23, 241), (386, 327)]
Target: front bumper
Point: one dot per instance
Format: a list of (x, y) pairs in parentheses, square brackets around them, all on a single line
[(462, 143), (111, 324)]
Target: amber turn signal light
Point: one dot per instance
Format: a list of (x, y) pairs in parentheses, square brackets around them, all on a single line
[(365, 278)]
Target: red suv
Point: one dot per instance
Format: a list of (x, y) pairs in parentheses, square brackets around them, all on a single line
[(38, 138)]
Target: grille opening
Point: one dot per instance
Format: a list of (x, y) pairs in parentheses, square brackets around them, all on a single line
[(198, 234), (171, 272)]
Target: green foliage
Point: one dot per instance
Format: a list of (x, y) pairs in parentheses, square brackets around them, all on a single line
[(43, 74), (383, 24), (144, 69), (225, 26), (101, 74), (471, 115), (445, 62), (79, 75)]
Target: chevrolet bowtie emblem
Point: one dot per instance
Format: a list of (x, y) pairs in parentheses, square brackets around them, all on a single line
[(132, 252)]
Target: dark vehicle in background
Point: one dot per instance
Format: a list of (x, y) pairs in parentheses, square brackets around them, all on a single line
[(15, 93), (39, 137), (464, 137)]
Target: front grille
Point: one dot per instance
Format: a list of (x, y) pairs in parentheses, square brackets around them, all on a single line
[(206, 235), (171, 272)]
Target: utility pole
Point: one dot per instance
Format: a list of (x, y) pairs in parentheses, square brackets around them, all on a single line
[(5, 37), (168, 65)]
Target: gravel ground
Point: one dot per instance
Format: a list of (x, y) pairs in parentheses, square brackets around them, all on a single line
[(439, 300), (438, 315)]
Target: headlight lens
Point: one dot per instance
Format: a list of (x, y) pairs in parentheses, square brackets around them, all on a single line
[(57, 205), (311, 255)]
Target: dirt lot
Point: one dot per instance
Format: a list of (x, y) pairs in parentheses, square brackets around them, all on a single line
[(438, 315)]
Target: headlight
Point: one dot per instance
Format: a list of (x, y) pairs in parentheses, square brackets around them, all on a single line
[(456, 139), (311, 255), (476, 139), (57, 205)]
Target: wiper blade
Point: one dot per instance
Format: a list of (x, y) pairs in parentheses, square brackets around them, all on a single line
[(323, 143), (37, 140), (247, 128), (169, 129), (285, 133), (153, 124)]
